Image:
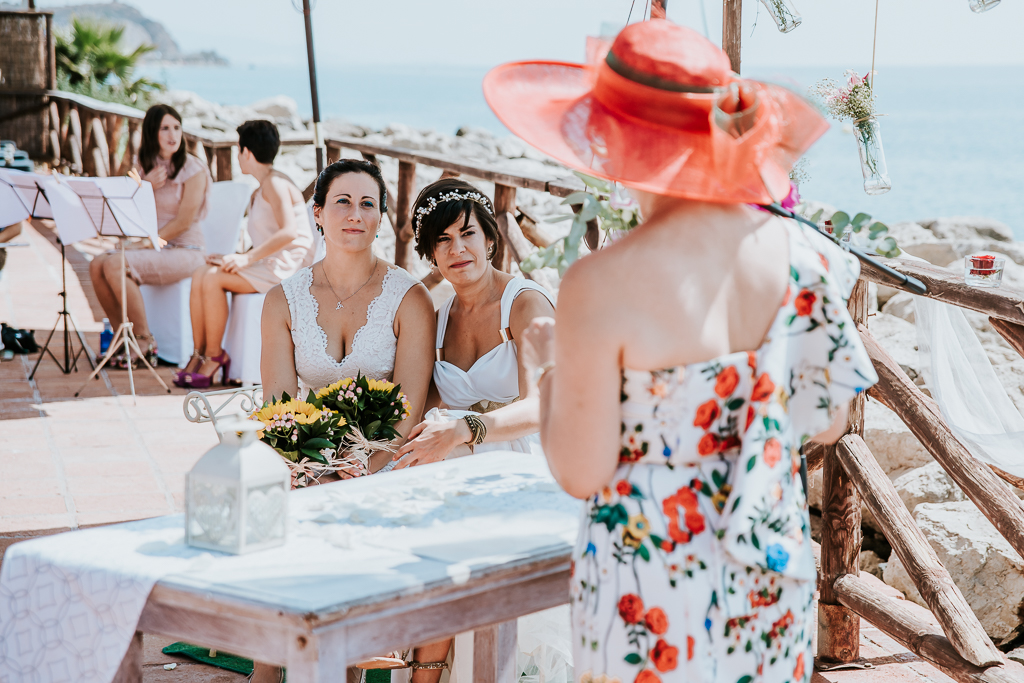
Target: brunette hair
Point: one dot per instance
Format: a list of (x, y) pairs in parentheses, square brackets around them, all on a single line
[(150, 148), (261, 138), (340, 168), (447, 212)]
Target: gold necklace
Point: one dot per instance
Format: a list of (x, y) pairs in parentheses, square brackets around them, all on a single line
[(341, 302)]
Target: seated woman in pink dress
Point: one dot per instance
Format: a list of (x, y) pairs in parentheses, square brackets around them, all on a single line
[(181, 183), (282, 243)]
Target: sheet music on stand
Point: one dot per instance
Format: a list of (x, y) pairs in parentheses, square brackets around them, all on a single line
[(22, 196), (123, 207)]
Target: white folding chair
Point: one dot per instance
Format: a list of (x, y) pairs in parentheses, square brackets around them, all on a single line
[(167, 306)]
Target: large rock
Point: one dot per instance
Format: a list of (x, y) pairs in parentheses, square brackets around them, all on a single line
[(968, 228), (927, 484), (901, 305), (899, 339), (983, 565)]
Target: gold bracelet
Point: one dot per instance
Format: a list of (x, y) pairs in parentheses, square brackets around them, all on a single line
[(478, 428)]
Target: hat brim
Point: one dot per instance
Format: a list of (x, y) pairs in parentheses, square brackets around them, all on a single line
[(551, 106)]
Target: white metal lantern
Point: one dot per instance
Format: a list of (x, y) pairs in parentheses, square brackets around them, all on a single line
[(236, 496)]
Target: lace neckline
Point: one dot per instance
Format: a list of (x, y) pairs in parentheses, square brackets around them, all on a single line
[(359, 333)]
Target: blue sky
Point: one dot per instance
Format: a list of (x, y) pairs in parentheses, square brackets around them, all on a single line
[(488, 32)]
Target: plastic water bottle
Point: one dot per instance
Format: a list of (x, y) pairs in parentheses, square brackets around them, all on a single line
[(106, 336)]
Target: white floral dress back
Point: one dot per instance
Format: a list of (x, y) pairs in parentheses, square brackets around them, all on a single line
[(373, 346), (695, 564)]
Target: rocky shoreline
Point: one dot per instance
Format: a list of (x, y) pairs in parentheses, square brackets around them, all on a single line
[(981, 562)]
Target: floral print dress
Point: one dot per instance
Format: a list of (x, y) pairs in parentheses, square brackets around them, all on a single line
[(695, 563)]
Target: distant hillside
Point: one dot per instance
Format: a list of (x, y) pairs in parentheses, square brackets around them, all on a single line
[(138, 29)]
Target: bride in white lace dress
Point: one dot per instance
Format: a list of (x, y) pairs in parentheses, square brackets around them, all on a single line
[(349, 313)]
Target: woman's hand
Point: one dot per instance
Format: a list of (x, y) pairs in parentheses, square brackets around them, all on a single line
[(157, 176), (432, 442), (538, 345), (232, 263), (214, 259)]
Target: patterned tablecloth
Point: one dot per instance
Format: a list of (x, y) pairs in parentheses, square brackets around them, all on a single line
[(69, 603)]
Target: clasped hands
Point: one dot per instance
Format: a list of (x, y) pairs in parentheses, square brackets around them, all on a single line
[(229, 263)]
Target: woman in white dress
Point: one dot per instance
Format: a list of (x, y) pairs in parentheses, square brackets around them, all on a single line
[(349, 313), (478, 378), (480, 399)]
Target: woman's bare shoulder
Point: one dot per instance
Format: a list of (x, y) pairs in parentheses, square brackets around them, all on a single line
[(275, 304)]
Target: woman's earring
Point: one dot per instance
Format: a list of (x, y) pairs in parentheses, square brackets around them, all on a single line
[(320, 228), (491, 252)]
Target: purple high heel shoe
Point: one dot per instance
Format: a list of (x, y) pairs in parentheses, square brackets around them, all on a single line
[(200, 381)]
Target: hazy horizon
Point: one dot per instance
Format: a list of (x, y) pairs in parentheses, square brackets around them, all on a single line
[(474, 34)]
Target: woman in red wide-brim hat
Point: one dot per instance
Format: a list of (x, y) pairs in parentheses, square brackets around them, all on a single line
[(689, 362)]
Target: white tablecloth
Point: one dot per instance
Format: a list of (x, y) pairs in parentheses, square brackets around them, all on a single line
[(69, 603)]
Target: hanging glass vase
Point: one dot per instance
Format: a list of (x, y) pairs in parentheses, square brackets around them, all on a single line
[(788, 18), (872, 157), (980, 6)]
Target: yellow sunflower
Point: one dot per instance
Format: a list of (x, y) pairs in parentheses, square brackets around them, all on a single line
[(338, 387), (380, 385)]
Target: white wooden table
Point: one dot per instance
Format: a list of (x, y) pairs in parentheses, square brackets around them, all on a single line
[(384, 563)]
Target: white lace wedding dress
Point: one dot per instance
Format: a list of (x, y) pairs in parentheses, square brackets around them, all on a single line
[(373, 346)]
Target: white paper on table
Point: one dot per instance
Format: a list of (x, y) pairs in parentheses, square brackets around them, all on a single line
[(84, 208)]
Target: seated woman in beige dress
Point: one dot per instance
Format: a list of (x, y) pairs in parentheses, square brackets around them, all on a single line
[(282, 242), (181, 183)]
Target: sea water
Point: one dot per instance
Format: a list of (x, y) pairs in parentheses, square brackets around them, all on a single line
[(953, 137)]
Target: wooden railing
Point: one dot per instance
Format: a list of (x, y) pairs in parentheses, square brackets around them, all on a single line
[(96, 138), (962, 649)]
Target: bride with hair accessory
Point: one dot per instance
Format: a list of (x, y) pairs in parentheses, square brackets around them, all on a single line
[(675, 400), (481, 398)]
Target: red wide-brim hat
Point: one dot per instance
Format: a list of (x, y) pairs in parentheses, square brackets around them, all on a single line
[(647, 112)]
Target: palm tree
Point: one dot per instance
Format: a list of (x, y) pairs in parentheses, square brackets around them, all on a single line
[(90, 61)]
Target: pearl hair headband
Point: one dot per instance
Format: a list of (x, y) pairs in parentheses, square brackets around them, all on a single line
[(455, 195)]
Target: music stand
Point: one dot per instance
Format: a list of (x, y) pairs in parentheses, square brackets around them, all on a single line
[(21, 197), (121, 207)]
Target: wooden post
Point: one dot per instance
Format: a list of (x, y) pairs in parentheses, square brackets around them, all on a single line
[(403, 211), (131, 149), (899, 620), (494, 653), (333, 152), (838, 627), (516, 245), (1011, 332), (115, 128), (504, 202), (75, 140), (531, 230), (896, 392), (946, 601), (98, 150), (732, 30), (223, 155)]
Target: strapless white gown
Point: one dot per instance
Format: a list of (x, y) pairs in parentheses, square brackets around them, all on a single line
[(545, 638)]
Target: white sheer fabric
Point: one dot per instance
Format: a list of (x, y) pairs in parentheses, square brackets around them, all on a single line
[(961, 379), (373, 346)]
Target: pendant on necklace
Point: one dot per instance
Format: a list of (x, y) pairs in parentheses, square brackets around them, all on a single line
[(339, 306)]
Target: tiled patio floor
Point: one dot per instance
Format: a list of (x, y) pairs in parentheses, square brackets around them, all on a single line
[(69, 462)]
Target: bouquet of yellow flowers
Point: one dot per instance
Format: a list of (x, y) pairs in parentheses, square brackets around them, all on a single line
[(307, 436), (371, 406)]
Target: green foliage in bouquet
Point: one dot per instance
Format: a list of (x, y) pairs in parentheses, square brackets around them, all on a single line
[(372, 406), (299, 429)]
